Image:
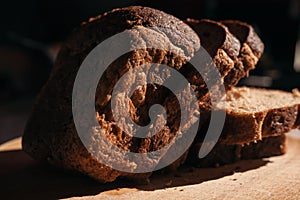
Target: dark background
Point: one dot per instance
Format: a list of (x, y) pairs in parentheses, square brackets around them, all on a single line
[(31, 33)]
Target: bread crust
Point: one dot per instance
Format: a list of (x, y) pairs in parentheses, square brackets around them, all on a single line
[(226, 154), (243, 129)]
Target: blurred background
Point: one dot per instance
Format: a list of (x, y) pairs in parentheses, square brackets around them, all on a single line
[(31, 33)]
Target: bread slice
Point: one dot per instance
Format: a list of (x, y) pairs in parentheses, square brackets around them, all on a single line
[(50, 134), (251, 50), (246, 34), (233, 60), (254, 113), (216, 39), (235, 41), (223, 154)]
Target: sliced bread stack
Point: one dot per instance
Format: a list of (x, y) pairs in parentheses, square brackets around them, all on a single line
[(256, 119), (252, 114)]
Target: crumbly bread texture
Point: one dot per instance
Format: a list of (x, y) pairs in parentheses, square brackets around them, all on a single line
[(225, 154), (250, 52), (255, 113), (50, 133)]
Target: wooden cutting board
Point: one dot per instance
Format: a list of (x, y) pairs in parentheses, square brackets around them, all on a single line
[(273, 178)]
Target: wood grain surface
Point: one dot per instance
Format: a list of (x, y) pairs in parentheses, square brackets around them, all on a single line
[(272, 178)]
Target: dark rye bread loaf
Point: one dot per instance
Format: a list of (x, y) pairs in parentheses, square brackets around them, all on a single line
[(253, 114), (223, 154), (250, 52), (50, 133)]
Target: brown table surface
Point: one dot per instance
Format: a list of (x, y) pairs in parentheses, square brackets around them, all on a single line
[(273, 178)]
